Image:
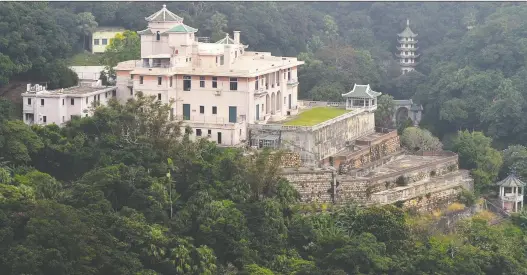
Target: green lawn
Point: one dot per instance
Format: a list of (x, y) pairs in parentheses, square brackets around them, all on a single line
[(85, 59), (315, 116)]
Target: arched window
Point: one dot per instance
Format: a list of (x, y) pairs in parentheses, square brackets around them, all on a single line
[(158, 36), (177, 51)]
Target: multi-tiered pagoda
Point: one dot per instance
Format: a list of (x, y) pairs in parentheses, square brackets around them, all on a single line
[(407, 49)]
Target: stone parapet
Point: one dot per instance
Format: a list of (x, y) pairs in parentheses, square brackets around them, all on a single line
[(422, 188)]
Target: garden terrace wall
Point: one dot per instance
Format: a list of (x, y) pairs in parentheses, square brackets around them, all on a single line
[(315, 143), (313, 184), (376, 149), (360, 190)]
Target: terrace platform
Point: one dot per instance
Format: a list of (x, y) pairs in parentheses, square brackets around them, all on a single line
[(313, 116)]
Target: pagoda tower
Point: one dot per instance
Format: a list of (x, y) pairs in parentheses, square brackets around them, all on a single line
[(407, 49)]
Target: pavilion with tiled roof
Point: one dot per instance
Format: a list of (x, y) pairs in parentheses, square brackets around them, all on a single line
[(511, 193), (361, 97)]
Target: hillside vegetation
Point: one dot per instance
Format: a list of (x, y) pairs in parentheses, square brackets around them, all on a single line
[(127, 192)]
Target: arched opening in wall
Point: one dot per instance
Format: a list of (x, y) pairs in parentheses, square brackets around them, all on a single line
[(273, 103), (278, 101), (267, 104), (158, 36), (401, 115)]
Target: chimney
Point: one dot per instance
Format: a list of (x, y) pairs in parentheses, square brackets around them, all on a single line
[(237, 37)]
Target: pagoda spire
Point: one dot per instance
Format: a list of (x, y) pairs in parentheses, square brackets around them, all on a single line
[(407, 54)]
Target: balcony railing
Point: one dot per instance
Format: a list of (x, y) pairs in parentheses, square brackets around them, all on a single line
[(512, 197), (140, 64), (292, 81), (406, 42), (407, 49), (209, 119), (260, 91)]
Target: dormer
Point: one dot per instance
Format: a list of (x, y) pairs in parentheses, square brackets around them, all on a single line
[(361, 97)]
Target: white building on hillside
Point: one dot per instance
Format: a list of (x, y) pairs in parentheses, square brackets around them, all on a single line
[(41, 106), (218, 88)]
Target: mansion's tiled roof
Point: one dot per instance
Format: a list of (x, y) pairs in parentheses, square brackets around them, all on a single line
[(182, 28), (164, 15), (227, 41), (362, 91)]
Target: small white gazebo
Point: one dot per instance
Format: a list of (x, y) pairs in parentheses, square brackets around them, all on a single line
[(511, 193), (361, 97)]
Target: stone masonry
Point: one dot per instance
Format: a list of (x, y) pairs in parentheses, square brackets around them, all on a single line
[(379, 173)]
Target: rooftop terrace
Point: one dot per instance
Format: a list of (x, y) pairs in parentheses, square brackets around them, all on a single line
[(314, 116)]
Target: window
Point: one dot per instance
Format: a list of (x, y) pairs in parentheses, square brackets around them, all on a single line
[(141, 80), (209, 132), (114, 93), (158, 96), (172, 114), (214, 82), (29, 101), (158, 36), (86, 100), (131, 76), (189, 59), (234, 84), (256, 84), (177, 51), (159, 80), (170, 81), (73, 101), (201, 109), (198, 132), (187, 85), (106, 95), (277, 79), (235, 54), (62, 118), (202, 82), (131, 91), (216, 59), (99, 97), (214, 110), (289, 74), (95, 41), (42, 102), (104, 41), (222, 59), (45, 119), (63, 101)]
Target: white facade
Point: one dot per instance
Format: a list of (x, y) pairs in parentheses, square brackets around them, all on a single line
[(43, 107), (216, 88)]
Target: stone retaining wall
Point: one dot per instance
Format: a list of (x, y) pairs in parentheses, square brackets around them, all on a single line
[(314, 185), (377, 149), (360, 190), (290, 159)]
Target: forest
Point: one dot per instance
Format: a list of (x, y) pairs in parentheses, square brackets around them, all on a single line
[(126, 192)]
